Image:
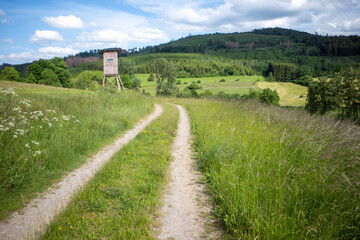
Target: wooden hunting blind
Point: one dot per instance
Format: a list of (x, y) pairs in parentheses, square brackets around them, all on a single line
[(111, 67)]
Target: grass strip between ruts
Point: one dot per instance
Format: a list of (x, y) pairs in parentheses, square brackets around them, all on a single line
[(122, 199)]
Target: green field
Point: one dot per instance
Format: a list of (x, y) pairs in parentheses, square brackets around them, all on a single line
[(289, 92), (212, 83)]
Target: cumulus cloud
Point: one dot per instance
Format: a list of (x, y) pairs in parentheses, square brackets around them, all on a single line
[(7, 40), (45, 36), (44, 53), (240, 15), (63, 22)]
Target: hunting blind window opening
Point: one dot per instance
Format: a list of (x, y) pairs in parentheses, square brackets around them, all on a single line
[(110, 60)]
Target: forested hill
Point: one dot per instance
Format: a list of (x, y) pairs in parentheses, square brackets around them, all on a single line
[(277, 41)]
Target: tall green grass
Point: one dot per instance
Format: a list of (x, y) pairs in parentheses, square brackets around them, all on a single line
[(122, 200), (278, 174), (46, 132)]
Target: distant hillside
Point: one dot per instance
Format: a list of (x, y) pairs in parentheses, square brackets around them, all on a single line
[(276, 41)]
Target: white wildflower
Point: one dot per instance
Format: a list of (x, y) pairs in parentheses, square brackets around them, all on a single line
[(11, 124), (27, 145), (9, 92), (20, 131), (66, 118), (51, 111), (17, 109), (55, 119), (15, 136), (50, 124), (25, 102), (35, 143), (37, 153), (77, 121)]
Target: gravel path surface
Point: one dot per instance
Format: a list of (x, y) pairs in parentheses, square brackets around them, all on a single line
[(35, 217), (184, 202)]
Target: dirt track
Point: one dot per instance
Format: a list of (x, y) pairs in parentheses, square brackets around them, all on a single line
[(184, 202), (35, 217)]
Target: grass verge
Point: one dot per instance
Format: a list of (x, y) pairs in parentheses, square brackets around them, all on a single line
[(46, 132), (278, 174), (121, 200)]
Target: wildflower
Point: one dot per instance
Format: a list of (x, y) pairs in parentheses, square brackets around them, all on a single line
[(27, 145), (37, 153), (20, 131), (55, 119), (70, 226), (25, 102), (65, 118), (77, 121), (50, 124), (36, 143), (10, 92), (11, 124), (50, 111), (17, 109), (60, 228), (15, 136)]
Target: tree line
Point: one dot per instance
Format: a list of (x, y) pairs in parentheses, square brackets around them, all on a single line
[(339, 93)]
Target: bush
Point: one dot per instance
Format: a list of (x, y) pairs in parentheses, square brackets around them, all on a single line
[(178, 82), (304, 80), (31, 78), (222, 80), (49, 77), (85, 79), (198, 81), (270, 97), (10, 74), (151, 78), (208, 92), (193, 86)]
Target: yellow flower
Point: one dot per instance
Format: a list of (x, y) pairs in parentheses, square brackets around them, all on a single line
[(70, 226), (59, 228)]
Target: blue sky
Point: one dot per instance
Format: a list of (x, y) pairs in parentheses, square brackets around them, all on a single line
[(35, 29)]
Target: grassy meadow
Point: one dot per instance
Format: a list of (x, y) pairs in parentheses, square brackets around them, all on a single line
[(277, 173), (290, 94), (121, 201), (231, 85), (46, 132)]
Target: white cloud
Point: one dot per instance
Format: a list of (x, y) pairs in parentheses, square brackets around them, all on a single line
[(353, 25), (4, 20), (7, 40), (64, 22), (45, 53), (46, 36), (2, 13)]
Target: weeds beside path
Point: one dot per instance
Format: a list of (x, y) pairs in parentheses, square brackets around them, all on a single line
[(39, 212)]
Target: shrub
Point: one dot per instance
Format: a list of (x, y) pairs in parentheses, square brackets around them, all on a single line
[(49, 77), (151, 78), (222, 80), (198, 81), (269, 96), (10, 74)]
